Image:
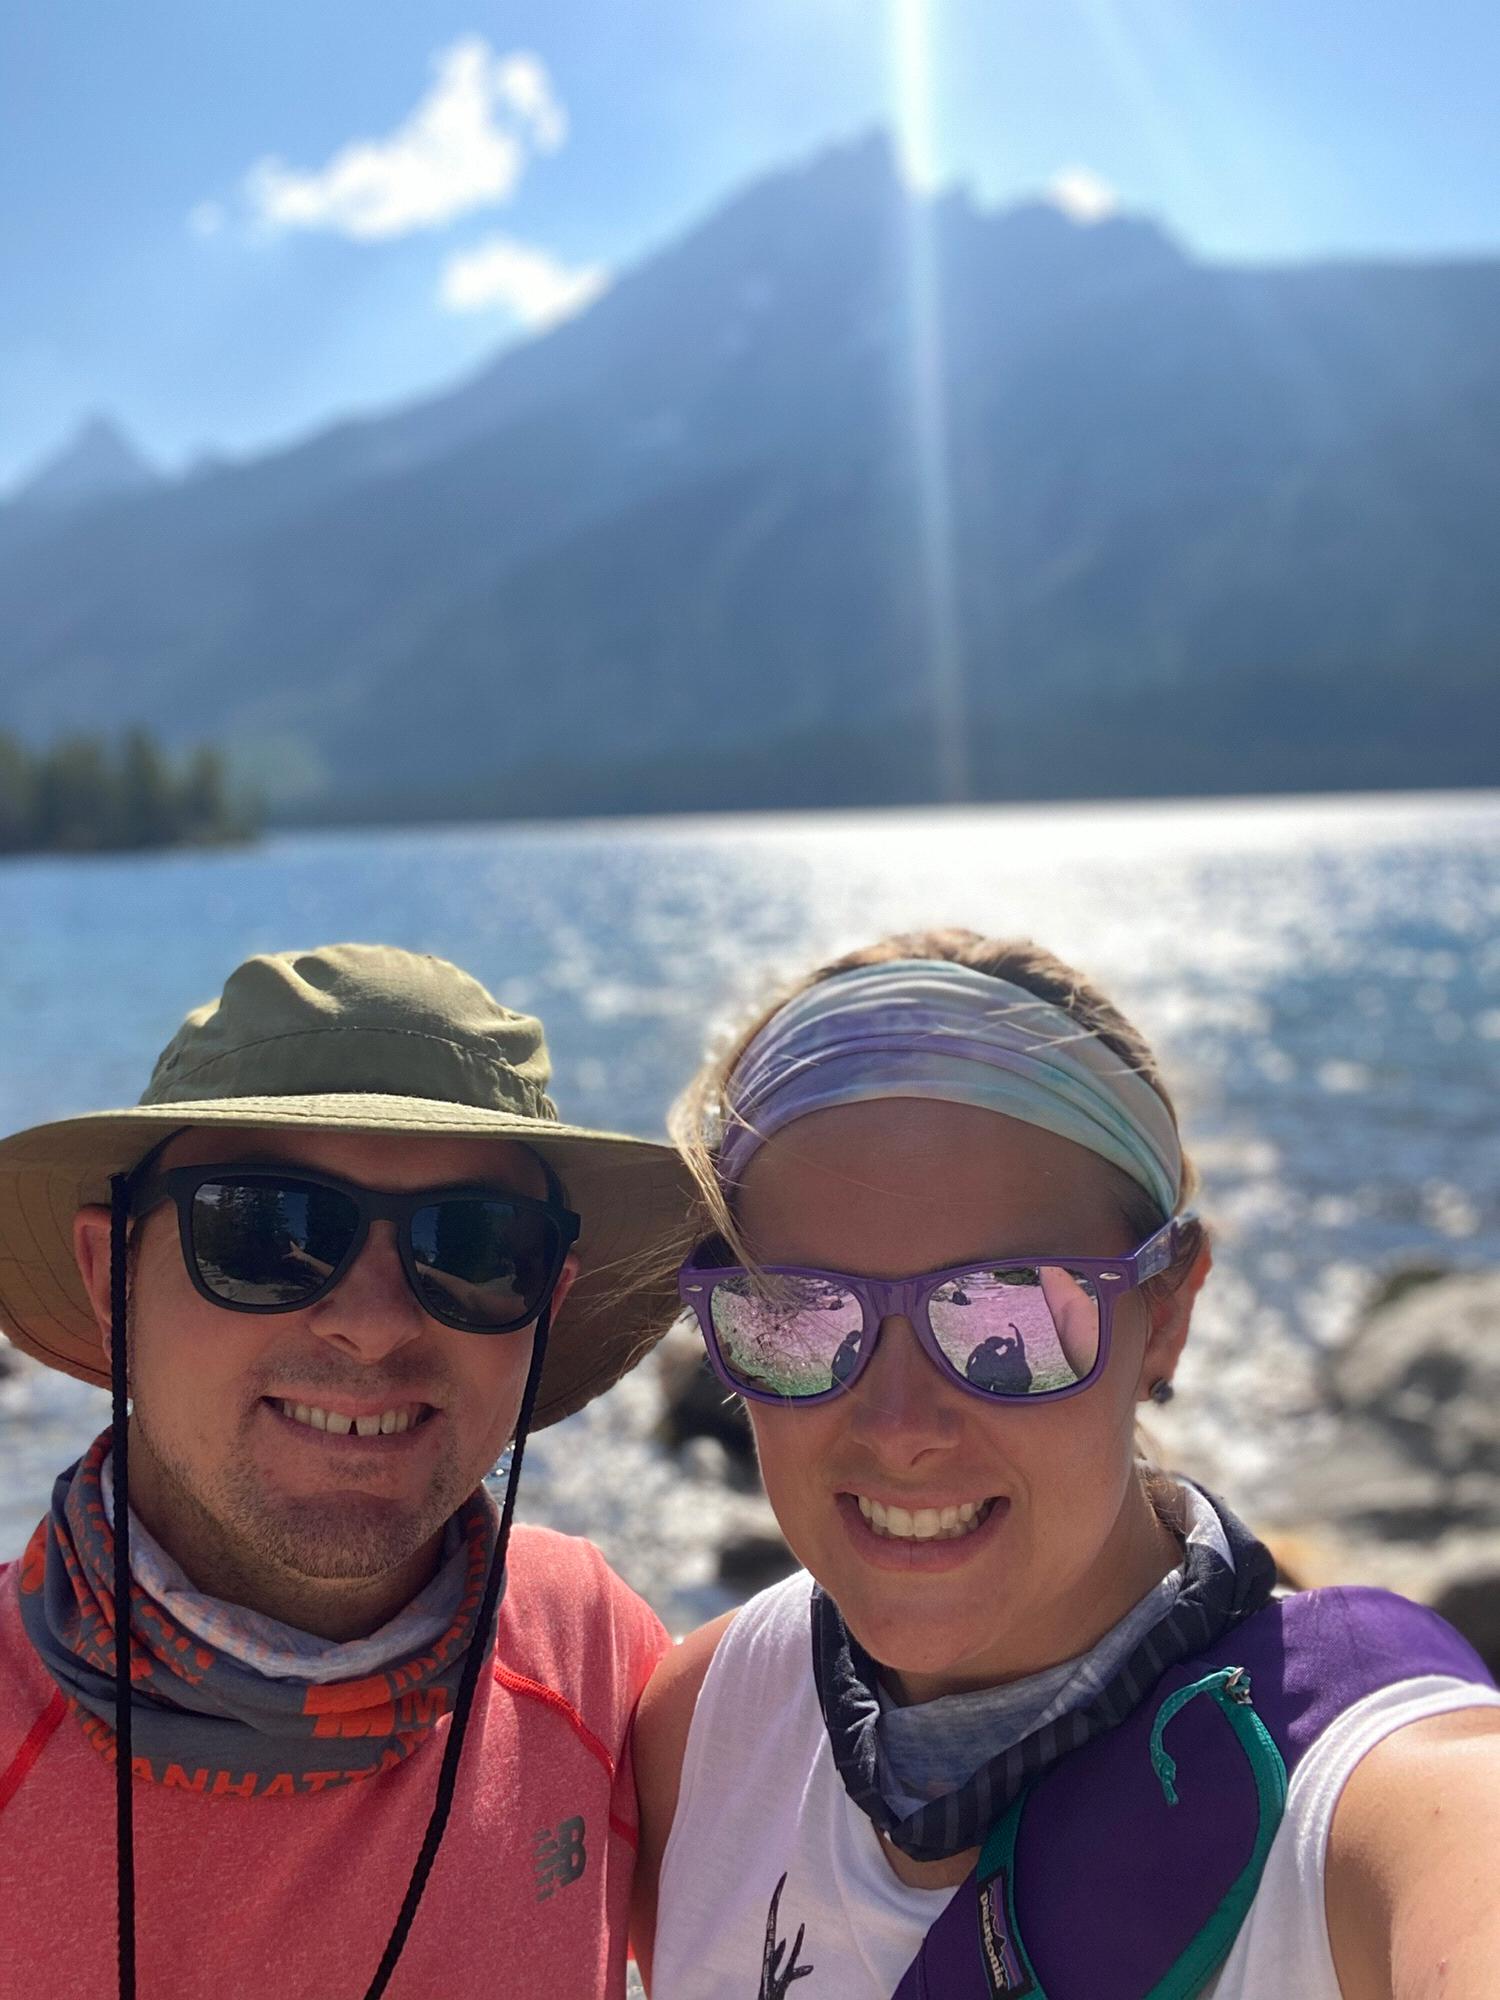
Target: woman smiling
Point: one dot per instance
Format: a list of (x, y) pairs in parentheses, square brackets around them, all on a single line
[(1031, 1720)]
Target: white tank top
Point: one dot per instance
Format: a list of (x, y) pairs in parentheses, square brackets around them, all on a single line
[(761, 1800)]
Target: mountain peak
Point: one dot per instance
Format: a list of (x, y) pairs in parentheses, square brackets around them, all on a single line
[(853, 177), (97, 461), (1041, 220)]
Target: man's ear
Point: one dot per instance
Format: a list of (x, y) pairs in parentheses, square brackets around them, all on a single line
[(565, 1282), (1171, 1315), (91, 1233)]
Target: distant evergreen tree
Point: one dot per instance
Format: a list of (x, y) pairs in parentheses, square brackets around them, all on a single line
[(74, 796), (82, 796), (206, 809), (17, 795), (148, 801)]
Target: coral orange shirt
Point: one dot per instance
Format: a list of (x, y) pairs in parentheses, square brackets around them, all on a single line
[(294, 1898)]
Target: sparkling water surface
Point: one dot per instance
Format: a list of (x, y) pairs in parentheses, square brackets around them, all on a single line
[(1321, 979)]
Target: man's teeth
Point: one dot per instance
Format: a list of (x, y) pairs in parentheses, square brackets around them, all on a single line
[(384, 1425), (924, 1524)]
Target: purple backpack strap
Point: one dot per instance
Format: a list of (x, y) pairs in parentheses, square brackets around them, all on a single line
[(1107, 1880)]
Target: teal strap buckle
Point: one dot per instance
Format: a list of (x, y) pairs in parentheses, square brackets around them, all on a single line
[(1002, 1951)]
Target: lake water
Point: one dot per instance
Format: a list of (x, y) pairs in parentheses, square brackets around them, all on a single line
[(1321, 980)]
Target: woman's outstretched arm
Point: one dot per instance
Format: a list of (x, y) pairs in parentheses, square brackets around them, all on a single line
[(1413, 1870)]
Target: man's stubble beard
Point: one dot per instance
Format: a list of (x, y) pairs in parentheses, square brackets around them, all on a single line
[(231, 1531)]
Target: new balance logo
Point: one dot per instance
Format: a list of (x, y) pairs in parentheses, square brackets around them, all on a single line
[(558, 1858)]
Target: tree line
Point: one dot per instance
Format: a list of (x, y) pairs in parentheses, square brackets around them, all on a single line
[(85, 795)]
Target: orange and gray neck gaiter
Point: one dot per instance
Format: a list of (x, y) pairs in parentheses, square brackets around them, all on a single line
[(202, 1720)]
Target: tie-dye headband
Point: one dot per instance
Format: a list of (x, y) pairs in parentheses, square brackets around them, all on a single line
[(929, 1028)]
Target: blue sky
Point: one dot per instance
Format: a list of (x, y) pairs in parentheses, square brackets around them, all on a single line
[(226, 225)]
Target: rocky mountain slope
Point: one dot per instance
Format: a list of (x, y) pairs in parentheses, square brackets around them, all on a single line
[(845, 496)]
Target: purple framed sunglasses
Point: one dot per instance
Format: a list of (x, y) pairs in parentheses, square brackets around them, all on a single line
[(1025, 1329)]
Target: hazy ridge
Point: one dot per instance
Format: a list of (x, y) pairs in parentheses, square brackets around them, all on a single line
[(1211, 529)]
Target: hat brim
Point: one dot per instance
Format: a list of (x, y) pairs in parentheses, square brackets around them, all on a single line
[(634, 1197)]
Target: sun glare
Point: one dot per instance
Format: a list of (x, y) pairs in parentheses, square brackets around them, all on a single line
[(912, 79)]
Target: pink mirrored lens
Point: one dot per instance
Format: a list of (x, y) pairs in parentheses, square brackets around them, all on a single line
[(787, 1336), (1018, 1330)]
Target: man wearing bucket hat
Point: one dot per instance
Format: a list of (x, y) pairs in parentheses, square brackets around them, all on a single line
[(338, 1227)]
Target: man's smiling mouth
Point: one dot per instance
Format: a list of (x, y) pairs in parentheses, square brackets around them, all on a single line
[(390, 1422)]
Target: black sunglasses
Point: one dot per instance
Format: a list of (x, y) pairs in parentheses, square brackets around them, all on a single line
[(275, 1239)]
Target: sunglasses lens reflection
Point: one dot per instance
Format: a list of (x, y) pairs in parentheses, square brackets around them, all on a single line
[(1018, 1330), (1012, 1331), (259, 1243), (787, 1336), (482, 1263)]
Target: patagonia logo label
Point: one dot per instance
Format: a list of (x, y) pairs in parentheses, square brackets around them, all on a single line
[(559, 1858), (1009, 1974)]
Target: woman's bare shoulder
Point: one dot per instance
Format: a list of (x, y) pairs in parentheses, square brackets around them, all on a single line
[(666, 1712), (662, 1725)]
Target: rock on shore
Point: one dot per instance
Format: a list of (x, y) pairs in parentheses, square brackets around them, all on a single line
[(698, 1409), (1407, 1495)]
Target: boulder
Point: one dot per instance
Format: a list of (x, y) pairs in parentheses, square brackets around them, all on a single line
[(1470, 1600), (695, 1404), (1406, 1494), (750, 1560), (1424, 1366)]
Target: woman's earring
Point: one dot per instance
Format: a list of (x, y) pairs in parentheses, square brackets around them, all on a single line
[(1162, 1390)]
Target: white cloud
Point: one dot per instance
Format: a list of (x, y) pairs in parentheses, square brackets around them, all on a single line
[(528, 282), (522, 82), (465, 145), (1082, 194), (206, 219)]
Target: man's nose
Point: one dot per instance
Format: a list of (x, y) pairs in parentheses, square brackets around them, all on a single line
[(372, 1310), (901, 1407)]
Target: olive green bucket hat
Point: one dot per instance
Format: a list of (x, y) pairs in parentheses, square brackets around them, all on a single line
[(355, 1038)]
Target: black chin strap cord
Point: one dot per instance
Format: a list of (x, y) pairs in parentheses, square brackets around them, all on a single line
[(478, 1659), (119, 1272), (479, 1650)]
